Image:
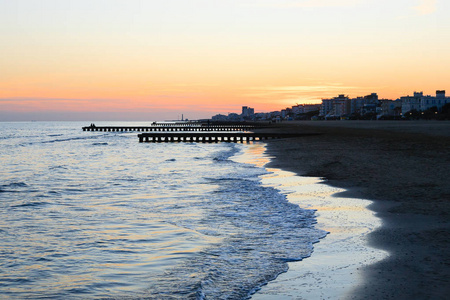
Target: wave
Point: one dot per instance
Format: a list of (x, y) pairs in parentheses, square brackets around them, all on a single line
[(69, 139), (225, 155), (14, 184), (30, 204), (62, 167), (236, 236), (12, 187), (261, 232)]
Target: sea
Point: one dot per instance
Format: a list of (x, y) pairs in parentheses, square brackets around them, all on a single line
[(98, 215)]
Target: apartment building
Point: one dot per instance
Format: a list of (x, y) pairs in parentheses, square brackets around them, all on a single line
[(420, 102)]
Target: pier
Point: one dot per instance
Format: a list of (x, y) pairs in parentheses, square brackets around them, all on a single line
[(172, 128), (198, 132), (213, 137)]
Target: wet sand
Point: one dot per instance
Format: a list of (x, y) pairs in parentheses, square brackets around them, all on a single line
[(404, 167)]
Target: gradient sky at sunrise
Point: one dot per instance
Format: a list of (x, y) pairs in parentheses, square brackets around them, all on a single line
[(155, 60)]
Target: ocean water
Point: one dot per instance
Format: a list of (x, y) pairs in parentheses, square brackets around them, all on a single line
[(99, 215)]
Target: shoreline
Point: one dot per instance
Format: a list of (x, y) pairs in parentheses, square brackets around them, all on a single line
[(403, 167), (333, 269), (338, 256)]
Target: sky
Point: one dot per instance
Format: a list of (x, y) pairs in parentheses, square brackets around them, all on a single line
[(156, 60)]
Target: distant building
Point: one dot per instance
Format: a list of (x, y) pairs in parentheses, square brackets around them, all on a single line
[(410, 103), (219, 117), (297, 110), (438, 101), (363, 105), (334, 107), (300, 109), (261, 116), (274, 115), (310, 108), (234, 117), (247, 112), (244, 111), (389, 108), (344, 106), (366, 107), (420, 102)]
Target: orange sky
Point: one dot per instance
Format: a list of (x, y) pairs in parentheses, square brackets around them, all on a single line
[(147, 59)]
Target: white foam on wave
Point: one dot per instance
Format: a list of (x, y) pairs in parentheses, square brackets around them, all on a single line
[(333, 270), (257, 232)]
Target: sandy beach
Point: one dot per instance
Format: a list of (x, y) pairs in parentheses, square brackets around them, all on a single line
[(404, 168)]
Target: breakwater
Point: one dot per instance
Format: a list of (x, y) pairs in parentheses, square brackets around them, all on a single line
[(173, 128), (198, 132), (213, 137)]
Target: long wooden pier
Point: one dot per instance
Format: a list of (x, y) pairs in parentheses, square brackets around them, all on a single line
[(198, 132), (171, 128), (213, 137)]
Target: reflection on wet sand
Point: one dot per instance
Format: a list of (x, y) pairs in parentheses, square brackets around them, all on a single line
[(333, 269)]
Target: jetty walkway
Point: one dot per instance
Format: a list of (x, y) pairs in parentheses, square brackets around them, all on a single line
[(198, 132), (172, 127), (213, 137)]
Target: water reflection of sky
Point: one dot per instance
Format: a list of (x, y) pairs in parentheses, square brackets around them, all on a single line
[(338, 257), (78, 215)]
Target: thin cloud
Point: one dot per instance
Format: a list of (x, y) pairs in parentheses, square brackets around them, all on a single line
[(299, 90), (149, 103), (303, 93), (34, 99), (308, 88), (426, 7)]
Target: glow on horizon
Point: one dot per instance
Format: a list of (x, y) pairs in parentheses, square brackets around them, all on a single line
[(163, 58)]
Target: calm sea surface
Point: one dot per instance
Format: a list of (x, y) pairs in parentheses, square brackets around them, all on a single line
[(99, 215)]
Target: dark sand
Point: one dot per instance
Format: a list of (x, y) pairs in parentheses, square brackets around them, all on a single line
[(404, 167)]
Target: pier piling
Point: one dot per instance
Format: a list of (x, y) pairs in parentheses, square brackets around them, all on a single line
[(213, 137)]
